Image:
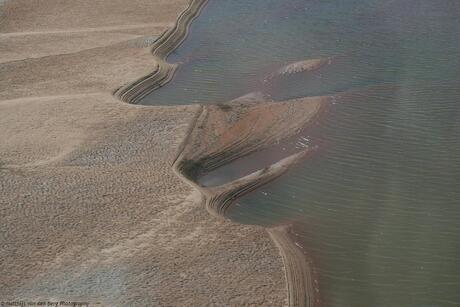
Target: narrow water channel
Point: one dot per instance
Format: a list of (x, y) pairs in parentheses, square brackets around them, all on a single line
[(377, 206)]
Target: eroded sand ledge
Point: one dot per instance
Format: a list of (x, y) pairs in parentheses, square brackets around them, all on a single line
[(161, 48)]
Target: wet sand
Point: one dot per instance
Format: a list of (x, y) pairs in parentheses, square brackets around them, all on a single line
[(91, 209)]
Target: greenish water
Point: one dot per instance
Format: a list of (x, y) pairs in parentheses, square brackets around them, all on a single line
[(377, 207)]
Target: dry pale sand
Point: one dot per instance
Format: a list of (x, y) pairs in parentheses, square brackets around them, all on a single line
[(90, 208)]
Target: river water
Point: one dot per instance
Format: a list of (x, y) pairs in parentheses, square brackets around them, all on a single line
[(377, 206)]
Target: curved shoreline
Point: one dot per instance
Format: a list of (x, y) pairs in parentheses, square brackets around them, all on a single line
[(218, 199), (161, 48), (300, 287)]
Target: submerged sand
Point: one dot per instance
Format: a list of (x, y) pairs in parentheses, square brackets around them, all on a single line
[(91, 209)]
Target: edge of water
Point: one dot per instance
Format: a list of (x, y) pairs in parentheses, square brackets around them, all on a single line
[(217, 200), (161, 48)]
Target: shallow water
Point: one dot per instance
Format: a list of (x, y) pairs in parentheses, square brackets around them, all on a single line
[(377, 206)]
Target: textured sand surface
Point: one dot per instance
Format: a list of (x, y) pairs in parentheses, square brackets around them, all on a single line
[(90, 209)]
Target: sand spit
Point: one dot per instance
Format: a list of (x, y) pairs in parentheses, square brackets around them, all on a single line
[(91, 209), (231, 130), (221, 198), (301, 66), (223, 133), (164, 71)]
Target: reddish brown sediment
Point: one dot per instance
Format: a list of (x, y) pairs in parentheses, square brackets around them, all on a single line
[(226, 132)]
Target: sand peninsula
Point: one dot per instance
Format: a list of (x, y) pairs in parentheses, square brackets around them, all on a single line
[(99, 202)]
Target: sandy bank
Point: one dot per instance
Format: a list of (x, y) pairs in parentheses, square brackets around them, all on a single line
[(303, 287), (161, 48), (91, 209), (301, 66), (226, 132)]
